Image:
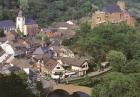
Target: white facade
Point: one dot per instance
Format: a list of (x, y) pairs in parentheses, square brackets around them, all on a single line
[(20, 22), (8, 56), (82, 70), (25, 30), (7, 29)]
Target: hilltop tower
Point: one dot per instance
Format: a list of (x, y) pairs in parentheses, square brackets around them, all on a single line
[(20, 21), (121, 4)]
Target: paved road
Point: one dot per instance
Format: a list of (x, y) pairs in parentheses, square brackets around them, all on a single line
[(92, 74)]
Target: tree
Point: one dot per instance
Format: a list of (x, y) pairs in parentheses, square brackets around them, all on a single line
[(38, 37), (131, 67), (116, 85), (13, 86), (40, 89), (1, 12), (1, 33), (24, 4), (19, 33), (117, 60), (46, 39)]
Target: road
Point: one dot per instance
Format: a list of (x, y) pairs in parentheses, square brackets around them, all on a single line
[(92, 74)]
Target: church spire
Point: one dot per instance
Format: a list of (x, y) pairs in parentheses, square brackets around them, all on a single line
[(20, 13)]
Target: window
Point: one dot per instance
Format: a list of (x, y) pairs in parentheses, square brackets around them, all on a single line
[(18, 19), (120, 16), (58, 67), (99, 18), (84, 66)]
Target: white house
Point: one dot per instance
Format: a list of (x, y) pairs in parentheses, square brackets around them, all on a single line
[(77, 64), (51, 67)]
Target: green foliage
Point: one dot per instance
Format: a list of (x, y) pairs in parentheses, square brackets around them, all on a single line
[(38, 37), (22, 75), (46, 39), (19, 33), (1, 33), (131, 67), (23, 4), (116, 59), (116, 85), (13, 86), (1, 13), (49, 11), (40, 89), (98, 41)]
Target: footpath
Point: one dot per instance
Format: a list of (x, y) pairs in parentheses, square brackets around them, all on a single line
[(92, 74)]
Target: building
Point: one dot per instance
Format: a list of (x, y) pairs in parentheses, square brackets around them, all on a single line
[(26, 26), (11, 35), (113, 13), (78, 65), (7, 25)]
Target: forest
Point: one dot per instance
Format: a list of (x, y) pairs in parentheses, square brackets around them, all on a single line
[(118, 43), (45, 12)]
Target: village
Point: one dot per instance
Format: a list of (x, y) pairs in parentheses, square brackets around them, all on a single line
[(40, 54), (27, 51)]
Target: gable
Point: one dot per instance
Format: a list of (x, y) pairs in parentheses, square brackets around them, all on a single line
[(58, 67), (38, 51)]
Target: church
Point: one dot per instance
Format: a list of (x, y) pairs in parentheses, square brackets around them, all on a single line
[(26, 26), (113, 13)]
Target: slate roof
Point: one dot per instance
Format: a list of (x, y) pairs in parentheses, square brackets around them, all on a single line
[(38, 51), (22, 63), (45, 57), (14, 69), (29, 21), (73, 61), (111, 8), (7, 23)]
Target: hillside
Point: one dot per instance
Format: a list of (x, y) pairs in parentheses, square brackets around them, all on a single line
[(49, 11)]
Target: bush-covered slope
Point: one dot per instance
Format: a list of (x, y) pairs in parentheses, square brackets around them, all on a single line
[(48, 11)]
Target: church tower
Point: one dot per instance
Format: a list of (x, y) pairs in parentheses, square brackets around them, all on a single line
[(121, 4), (20, 21)]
